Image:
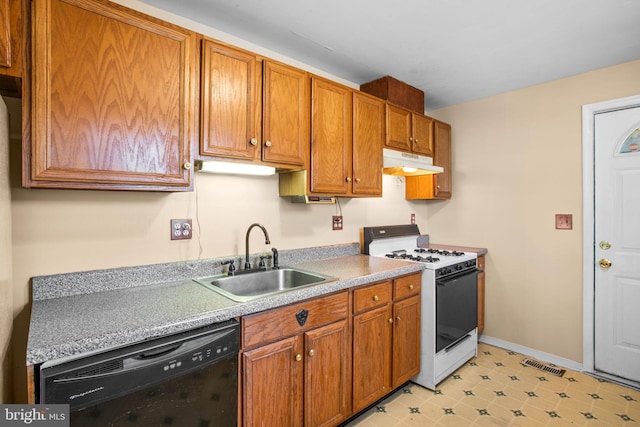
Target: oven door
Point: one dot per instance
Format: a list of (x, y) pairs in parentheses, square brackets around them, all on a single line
[(456, 308)]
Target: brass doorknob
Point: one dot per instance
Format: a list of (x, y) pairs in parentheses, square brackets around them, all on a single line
[(312, 352), (298, 357), (605, 263)]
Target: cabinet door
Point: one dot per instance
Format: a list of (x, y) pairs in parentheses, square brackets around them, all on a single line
[(398, 128), (285, 114), (272, 384), (112, 99), (371, 356), (422, 135), (5, 34), (11, 45), (229, 96), (331, 137), (368, 138), (481, 286), (327, 375), (406, 340), (442, 157)]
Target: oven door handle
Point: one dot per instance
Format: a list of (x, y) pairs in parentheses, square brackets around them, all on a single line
[(445, 280)]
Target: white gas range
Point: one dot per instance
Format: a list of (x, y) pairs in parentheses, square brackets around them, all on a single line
[(449, 299)]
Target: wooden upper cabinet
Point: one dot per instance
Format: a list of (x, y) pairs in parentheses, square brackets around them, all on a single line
[(285, 115), (331, 138), (230, 102), (398, 128), (422, 135), (368, 138), (11, 45), (112, 99), (409, 131), (436, 186)]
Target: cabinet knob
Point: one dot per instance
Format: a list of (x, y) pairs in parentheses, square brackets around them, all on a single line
[(312, 352), (410, 139), (187, 166), (348, 179), (267, 144), (358, 180), (254, 141), (390, 320), (298, 357), (398, 318), (411, 287), (375, 298)]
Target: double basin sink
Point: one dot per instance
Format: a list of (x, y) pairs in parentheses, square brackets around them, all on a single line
[(247, 286)]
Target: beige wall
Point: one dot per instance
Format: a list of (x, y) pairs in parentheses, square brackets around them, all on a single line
[(6, 317), (517, 162)]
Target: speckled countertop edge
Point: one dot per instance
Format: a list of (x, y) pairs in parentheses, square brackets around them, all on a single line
[(79, 324)]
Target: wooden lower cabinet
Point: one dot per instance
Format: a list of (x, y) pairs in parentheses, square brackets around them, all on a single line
[(386, 338), (300, 380)]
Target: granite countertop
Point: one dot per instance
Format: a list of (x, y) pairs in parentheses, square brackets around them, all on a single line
[(479, 251), (67, 323)]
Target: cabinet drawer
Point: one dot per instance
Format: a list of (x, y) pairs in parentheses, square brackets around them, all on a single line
[(371, 296), (271, 325), (407, 286)]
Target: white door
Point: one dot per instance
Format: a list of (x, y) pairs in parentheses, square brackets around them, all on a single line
[(617, 243)]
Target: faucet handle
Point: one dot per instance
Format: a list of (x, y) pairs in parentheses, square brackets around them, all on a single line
[(262, 264), (232, 268)]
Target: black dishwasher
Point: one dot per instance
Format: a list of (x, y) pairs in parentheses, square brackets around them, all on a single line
[(187, 379)]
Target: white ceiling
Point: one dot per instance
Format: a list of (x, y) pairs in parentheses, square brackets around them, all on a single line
[(453, 50)]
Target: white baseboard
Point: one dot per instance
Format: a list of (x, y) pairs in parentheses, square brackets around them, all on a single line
[(530, 352)]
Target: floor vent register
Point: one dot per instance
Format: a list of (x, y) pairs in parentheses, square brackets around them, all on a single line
[(544, 367)]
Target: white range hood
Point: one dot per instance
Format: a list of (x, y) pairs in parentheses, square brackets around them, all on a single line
[(400, 163)]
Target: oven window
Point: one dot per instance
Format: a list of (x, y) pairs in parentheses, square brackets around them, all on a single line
[(456, 308), (206, 397)]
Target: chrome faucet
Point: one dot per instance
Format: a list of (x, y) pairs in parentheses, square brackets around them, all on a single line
[(247, 264)]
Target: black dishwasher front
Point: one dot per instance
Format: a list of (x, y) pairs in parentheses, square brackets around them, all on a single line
[(187, 379)]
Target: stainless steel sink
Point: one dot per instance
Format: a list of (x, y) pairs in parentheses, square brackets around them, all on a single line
[(247, 286)]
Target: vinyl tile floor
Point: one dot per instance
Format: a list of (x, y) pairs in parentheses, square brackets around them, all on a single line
[(495, 389)]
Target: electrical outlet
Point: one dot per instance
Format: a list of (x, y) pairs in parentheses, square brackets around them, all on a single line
[(337, 222), (413, 218), (564, 221), (181, 229)]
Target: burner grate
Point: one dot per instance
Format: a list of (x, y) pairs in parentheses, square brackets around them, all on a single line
[(543, 367)]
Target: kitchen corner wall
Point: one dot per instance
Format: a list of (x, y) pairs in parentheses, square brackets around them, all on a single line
[(6, 290), (517, 162)]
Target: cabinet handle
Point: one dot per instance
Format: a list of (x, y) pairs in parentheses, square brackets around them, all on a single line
[(253, 141), (411, 287), (375, 298), (312, 352), (410, 139), (348, 179), (417, 140), (267, 144), (398, 318), (357, 180), (390, 320), (298, 357), (187, 166)]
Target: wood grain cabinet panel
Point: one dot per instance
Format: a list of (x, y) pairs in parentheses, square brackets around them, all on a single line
[(285, 114), (438, 186), (12, 39), (331, 139), (230, 102), (409, 131), (113, 99), (406, 340), (368, 138)]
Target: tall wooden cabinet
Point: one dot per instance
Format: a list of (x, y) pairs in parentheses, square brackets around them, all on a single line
[(436, 186), (112, 99)]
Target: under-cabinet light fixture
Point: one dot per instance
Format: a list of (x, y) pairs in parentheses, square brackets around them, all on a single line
[(234, 168)]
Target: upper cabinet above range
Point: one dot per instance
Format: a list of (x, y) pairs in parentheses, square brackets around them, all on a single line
[(112, 99), (252, 108)]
